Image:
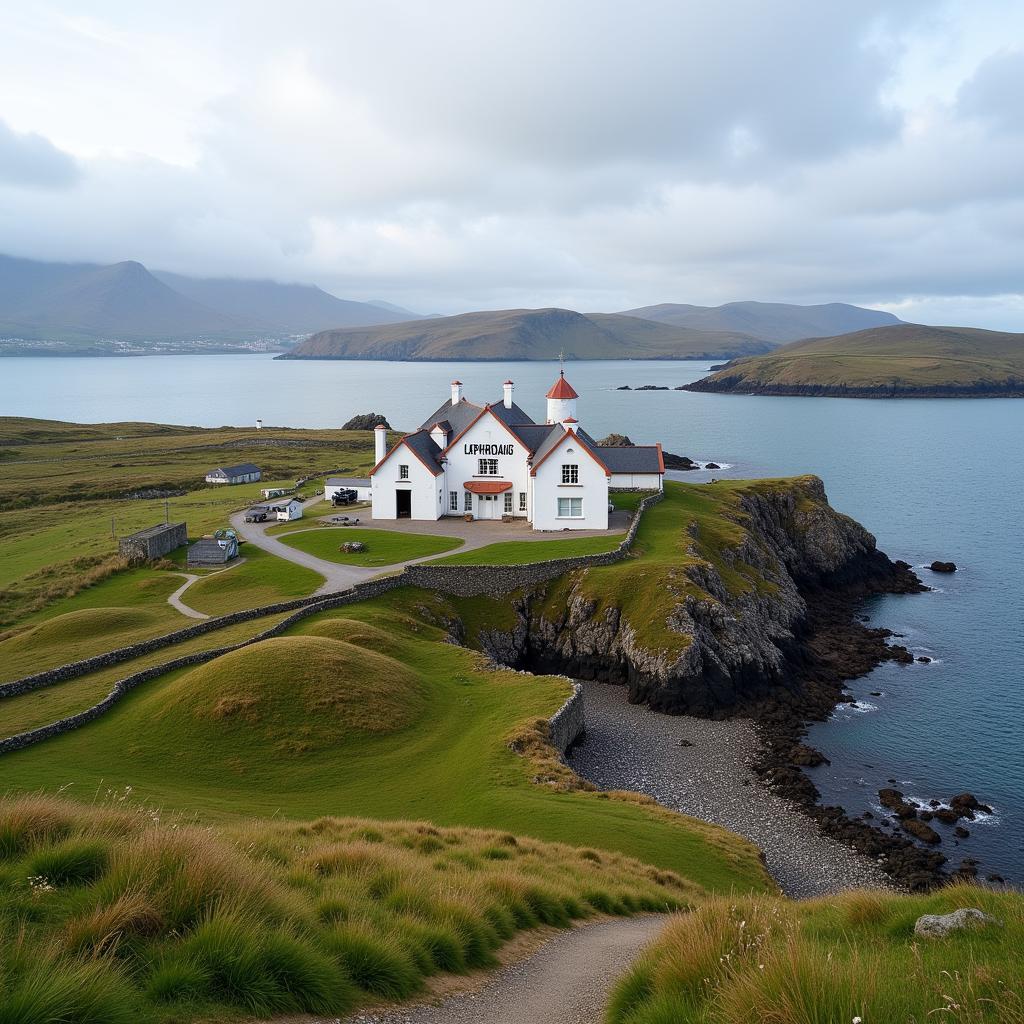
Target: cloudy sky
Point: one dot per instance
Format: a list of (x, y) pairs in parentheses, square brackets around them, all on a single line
[(594, 154)]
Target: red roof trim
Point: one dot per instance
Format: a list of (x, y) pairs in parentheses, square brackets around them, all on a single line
[(435, 470), (488, 486), (571, 433), (661, 458), (473, 422)]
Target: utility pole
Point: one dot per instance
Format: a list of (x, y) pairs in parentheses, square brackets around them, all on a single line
[(113, 534), (167, 512)]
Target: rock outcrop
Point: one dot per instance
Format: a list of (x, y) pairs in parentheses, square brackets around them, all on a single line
[(938, 926)]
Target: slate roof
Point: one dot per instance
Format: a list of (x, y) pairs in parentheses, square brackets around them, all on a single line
[(242, 467), (533, 435), (511, 417), (635, 459), (207, 551), (426, 448), (348, 481), (458, 416)]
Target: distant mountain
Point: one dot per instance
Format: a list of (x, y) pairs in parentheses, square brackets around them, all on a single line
[(85, 302), (769, 321), (901, 361), (405, 314), (526, 334), (289, 308)]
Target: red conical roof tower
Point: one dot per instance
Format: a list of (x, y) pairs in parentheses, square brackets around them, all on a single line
[(561, 388)]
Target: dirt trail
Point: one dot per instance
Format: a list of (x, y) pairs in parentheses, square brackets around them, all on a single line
[(566, 981)]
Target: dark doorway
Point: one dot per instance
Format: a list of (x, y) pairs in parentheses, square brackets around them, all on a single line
[(403, 504)]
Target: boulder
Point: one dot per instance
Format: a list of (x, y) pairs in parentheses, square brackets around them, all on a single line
[(366, 421), (961, 833), (806, 756), (712, 465), (892, 799), (919, 830), (924, 659), (623, 387), (616, 441), (943, 567)]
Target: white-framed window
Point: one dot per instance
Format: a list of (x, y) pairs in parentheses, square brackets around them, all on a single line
[(570, 508), (570, 473), (508, 501), (453, 501), (486, 467), (403, 472), (522, 501), (467, 501)]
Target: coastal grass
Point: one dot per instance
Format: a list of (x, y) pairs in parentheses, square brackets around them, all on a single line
[(118, 912), (41, 707), (463, 746), (522, 552), (694, 524), (262, 580), (383, 547), (830, 961)]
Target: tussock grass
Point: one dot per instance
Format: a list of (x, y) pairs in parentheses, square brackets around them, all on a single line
[(830, 961), (110, 914)]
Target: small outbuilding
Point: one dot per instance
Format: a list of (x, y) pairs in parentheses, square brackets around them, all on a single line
[(361, 485), (244, 473), (275, 492), (286, 510), (153, 543), (212, 551)]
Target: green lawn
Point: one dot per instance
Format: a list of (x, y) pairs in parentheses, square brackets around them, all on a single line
[(262, 579), (519, 552), (383, 547), (228, 749)]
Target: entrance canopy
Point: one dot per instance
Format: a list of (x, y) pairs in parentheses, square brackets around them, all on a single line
[(488, 486)]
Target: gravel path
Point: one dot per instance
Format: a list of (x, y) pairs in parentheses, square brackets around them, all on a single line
[(566, 981), (629, 746), (176, 602)]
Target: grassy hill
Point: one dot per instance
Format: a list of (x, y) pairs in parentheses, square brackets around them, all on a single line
[(526, 334), (906, 360), (777, 322)]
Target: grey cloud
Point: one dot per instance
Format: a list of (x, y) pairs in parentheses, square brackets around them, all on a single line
[(32, 161), (994, 93)]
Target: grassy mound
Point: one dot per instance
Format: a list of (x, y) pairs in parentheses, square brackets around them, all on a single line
[(286, 695), (830, 961), (462, 761), (88, 622), (107, 914)]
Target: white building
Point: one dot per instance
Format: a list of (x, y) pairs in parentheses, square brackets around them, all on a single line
[(286, 509), (494, 461), (241, 474)]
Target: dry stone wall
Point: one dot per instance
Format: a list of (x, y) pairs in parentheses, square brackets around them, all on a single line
[(568, 723)]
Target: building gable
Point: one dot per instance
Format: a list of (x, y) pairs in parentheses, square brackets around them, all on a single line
[(570, 434)]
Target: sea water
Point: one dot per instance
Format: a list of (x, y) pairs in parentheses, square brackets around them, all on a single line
[(932, 479)]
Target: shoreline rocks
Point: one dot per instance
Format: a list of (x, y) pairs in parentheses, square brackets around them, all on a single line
[(943, 567)]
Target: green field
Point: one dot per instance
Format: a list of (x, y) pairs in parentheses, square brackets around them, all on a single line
[(383, 547), (519, 552), (65, 490), (262, 579)]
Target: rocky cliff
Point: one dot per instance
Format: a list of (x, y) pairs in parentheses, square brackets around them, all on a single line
[(729, 628)]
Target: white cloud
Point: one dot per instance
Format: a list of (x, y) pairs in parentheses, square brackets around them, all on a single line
[(456, 155)]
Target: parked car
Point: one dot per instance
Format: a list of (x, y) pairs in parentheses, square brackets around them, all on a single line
[(346, 496), (256, 517)]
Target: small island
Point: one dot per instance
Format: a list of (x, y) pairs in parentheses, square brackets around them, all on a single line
[(898, 361)]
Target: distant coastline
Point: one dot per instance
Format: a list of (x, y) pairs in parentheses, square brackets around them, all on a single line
[(741, 386)]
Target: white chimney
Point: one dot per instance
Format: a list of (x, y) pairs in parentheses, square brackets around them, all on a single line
[(380, 442), (508, 386), (456, 392)]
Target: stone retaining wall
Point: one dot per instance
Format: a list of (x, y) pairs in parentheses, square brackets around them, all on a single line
[(458, 580), (568, 723)]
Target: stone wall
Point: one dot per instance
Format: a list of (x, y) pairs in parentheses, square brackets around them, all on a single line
[(568, 723), (153, 543), (459, 580)]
